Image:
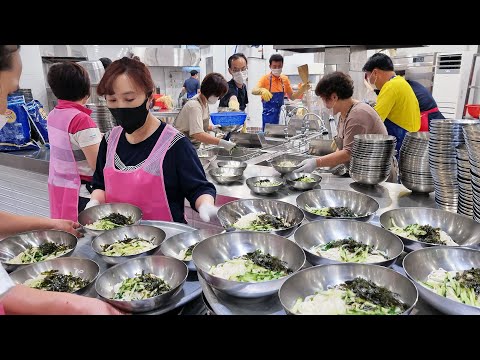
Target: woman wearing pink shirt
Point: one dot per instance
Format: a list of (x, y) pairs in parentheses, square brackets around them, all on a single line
[(74, 141)]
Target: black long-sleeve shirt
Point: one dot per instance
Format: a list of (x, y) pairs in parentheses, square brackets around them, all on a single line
[(241, 94), (183, 173)]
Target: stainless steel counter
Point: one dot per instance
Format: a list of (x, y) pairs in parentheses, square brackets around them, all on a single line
[(30, 180), (388, 195), (30, 160), (165, 113), (23, 187), (167, 116)]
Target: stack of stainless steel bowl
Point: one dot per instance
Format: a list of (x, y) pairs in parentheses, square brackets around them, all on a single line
[(472, 139), (414, 167), (464, 177), (371, 158), (445, 136), (102, 117)]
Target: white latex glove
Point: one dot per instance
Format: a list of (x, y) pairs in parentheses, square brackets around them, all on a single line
[(91, 203), (307, 166), (6, 283), (206, 211), (226, 144)]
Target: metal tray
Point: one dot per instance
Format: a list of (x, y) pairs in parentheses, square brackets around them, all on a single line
[(223, 304), (191, 289)]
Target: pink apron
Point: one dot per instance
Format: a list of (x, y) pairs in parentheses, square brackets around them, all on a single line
[(143, 187), (63, 177)]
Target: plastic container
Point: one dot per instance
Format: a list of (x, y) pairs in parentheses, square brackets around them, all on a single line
[(473, 110), (228, 118)]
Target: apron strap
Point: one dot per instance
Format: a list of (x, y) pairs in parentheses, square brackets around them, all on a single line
[(270, 88), (112, 143)]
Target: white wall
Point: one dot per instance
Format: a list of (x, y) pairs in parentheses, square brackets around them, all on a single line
[(115, 52), (32, 73), (169, 78), (33, 77), (430, 49)]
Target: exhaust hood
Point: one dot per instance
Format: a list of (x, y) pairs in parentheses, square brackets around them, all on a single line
[(321, 48), (178, 57), (64, 51)]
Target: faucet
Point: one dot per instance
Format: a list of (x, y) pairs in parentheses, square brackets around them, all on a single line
[(305, 124), (288, 117), (290, 113)]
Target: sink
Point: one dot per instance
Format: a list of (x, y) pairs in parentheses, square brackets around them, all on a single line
[(321, 147), (293, 156), (248, 140), (238, 153)]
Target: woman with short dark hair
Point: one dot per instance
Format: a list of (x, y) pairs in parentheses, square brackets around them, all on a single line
[(336, 91), (143, 161), (74, 141), (194, 118)]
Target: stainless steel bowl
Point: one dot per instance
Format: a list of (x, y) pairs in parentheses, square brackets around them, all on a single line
[(230, 212), (420, 263), (375, 138), (226, 175), (463, 230), (308, 281), (368, 179), (142, 231), (360, 204), (13, 245), (323, 231), (172, 271), (220, 248), (231, 164), (210, 154), (262, 190), (205, 163), (300, 185), (90, 215), (84, 268), (417, 187), (285, 169), (173, 245)]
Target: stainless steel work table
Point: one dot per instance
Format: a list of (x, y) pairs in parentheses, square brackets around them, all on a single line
[(388, 195)]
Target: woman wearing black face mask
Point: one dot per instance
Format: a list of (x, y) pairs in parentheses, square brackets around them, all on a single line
[(143, 161)]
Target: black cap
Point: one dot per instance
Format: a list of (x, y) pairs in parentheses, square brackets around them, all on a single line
[(193, 72), (105, 61)]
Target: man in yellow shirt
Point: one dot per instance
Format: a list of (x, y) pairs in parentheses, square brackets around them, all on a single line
[(397, 104), (272, 88)]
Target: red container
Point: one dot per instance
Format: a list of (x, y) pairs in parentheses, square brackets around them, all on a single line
[(158, 103), (473, 110)]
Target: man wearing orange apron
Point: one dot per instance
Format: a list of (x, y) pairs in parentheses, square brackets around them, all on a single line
[(272, 88)]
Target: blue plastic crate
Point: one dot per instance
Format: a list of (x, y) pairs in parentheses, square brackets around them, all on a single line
[(228, 118)]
